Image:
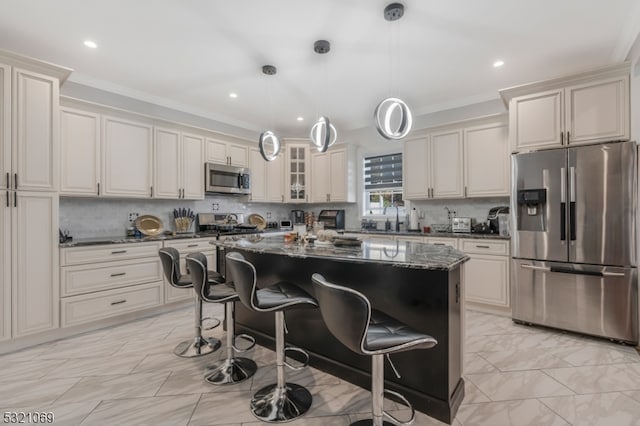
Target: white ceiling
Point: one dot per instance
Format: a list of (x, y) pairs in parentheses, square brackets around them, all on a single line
[(191, 54)]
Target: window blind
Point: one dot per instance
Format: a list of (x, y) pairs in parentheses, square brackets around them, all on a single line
[(383, 172)]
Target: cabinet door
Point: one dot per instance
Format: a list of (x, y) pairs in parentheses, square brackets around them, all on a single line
[(486, 161), (598, 112), (216, 151), (127, 155), (35, 131), (79, 153), (536, 121), (296, 185), (451, 242), (238, 155), (5, 264), (487, 280), (192, 167), (258, 167), (446, 164), (320, 178), (167, 162), (35, 291), (5, 126), (338, 177), (275, 180), (415, 168)]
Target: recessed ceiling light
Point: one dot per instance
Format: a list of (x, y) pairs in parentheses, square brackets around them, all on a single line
[(90, 44), (233, 95), (498, 64), (300, 118)]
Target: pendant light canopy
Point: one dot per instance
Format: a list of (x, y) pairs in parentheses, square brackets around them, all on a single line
[(268, 142), (392, 115), (323, 133)]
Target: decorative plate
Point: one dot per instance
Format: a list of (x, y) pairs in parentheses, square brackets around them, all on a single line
[(258, 221), (149, 225)]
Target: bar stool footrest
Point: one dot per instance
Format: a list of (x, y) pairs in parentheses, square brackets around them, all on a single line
[(211, 327), (407, 403), (298, 350), (250, 339)]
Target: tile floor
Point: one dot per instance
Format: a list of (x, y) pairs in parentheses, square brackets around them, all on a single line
[(128, 375)]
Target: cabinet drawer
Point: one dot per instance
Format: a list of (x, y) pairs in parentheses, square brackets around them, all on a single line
[(190, 246), (81, 309), (108, 252), (108, 275), (485, 247), (451, 242)]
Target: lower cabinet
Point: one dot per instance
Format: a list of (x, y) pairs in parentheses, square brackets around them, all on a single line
[(185, 247), (486, 275), (102, 281)]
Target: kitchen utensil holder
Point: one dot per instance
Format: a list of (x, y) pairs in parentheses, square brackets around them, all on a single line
[(183, 224)]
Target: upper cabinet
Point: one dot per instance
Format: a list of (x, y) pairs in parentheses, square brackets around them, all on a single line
[(584, 108), (127, 156), (446, 164), (275, 180), (258, 167), (223, 152), (79, 153), (486, 160), (179, 165), (333, 175), (297, 173)]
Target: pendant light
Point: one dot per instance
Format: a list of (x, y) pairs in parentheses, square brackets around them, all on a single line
[(392, 115), (323, 133), (268, 142)]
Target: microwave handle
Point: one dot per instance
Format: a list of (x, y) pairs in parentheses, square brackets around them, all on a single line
[(239, 181)]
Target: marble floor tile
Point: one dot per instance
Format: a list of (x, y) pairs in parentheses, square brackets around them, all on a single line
[(602, 409), (472, 394), (529, 412), (67, 349), (114, 387), (516, 342), (64, 414), (306, 377), (168, 362), (530, 359), (98, 366), (158, 411), (28, 370), (518, 385), (598, 378), (595, 355), (312, 421), (34, 393), (344, 398), (189, 382), (475, 364), (236, 409)]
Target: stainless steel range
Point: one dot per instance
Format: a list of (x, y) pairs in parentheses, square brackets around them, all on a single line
[(217, 224)]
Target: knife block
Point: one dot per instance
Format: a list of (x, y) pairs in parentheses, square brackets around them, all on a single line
[(183, 224)]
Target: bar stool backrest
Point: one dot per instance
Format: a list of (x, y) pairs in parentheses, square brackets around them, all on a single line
[(346, 312), (170, 258), (197, 265), (243, 274)]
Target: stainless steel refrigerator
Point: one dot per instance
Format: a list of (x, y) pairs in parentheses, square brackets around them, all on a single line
[(574, 239)]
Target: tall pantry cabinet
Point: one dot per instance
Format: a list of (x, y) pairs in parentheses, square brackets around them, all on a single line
[(29, 118)]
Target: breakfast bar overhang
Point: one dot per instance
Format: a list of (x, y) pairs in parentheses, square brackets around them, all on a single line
[(418, 284)]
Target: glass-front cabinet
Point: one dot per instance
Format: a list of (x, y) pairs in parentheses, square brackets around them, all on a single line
[(297, 177)]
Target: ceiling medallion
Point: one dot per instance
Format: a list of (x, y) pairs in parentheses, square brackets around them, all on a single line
[(269, 145), (393, 119), (323, 134)]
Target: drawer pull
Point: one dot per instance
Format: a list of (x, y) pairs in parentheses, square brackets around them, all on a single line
[(483, 246), (119, 302), (438, 244), (118, 251), (119, 274), (193, 245)]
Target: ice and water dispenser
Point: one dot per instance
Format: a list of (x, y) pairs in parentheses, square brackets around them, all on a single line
[(530, 214)]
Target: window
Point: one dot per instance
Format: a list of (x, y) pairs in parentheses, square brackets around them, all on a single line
[(383, 185)]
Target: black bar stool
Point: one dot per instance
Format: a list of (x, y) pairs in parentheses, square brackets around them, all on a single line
[(230, 370), (200, 345), (282, 401), (349, 317)]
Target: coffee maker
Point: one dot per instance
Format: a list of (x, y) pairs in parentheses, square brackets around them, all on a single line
[(297, 217), (492, 218)]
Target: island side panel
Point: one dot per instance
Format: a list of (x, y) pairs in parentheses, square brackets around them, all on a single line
[(423, 299)]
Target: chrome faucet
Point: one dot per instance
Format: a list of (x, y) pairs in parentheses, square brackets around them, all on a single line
[(397, 217)]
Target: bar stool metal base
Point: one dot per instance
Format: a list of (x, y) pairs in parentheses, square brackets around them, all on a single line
[(197, 347), (369, 422), (230, 371), (274, 404)]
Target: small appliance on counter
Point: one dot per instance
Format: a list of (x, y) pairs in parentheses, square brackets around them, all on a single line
[(461, 224), (493, 220), (286, 225), (333, 219), (297, 217)]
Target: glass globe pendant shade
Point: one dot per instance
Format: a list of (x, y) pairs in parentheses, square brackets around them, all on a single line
[(323, 134), (393, 118), (269, 145)]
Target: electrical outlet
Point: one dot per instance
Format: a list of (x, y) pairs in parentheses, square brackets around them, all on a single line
[(133, 216)]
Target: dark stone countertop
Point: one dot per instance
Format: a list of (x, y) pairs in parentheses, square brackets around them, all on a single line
[(119, 239), (432, 234), (408, 254)]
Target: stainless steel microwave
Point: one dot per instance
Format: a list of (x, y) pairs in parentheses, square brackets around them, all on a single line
[(226, 179)]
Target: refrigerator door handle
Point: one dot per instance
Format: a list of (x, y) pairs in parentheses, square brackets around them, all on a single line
[(563, 204), (535, 268), (613, 274), (571, 271), (572, 203)]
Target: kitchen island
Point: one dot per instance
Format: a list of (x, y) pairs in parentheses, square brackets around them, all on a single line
[(416, 283)]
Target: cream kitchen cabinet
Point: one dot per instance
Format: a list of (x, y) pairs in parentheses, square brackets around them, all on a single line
[(80, 152), (432, 166), (584, 108), (178, 165), (297, 172), (259, 183), (486, 160), (275, 180), (6, 197), (486, 275), (186, 247), (127, 158), (333, 176), (223, 152), (442, 241), (104, 281)]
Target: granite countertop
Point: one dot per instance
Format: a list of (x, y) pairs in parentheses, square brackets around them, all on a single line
[(432, 234), (408, 254), (120, 239)]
